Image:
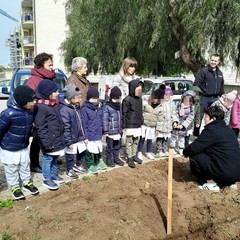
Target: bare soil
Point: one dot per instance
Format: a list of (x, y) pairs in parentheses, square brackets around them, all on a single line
[(126, 204)]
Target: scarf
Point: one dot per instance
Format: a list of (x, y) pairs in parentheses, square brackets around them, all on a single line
[(46, 102), (181, 110)]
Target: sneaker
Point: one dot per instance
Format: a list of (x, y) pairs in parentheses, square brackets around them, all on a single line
[(93, 169), (17, 193), (80, 169), (210, 187), (130, 163), (101, 166), (36, 169), (233, 186), (57, 179), (50, 184), (71, 174), (149, 156), (110, 163), (31, 188), (140, 156), (160, 155), (137, 160), (119, 162)]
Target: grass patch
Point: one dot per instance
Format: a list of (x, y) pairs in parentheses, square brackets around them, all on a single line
[(57, 219), (86, 178), (138, 221), (7, 203), (5, 236)]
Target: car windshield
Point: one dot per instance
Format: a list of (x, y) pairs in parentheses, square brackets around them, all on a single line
[(21, 78), (178, 86)]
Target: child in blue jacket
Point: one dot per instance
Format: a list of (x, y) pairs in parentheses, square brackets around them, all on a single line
[(91, 112), (73, 130), (15, 128), (112, 127)]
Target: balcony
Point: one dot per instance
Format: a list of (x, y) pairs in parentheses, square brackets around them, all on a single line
[(27, 3), (27, 20), (28, 61), (28, 40)]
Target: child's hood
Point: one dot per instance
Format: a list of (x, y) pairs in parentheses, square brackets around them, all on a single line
[(188, 92), (132, 86)]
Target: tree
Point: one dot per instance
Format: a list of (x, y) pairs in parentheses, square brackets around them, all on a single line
[(152, 31)]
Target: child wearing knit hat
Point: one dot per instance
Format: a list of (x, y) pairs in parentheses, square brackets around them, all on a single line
[(15, 129), (73, 131), (91, 113), (50, 130), (225, 102), (112, 127)]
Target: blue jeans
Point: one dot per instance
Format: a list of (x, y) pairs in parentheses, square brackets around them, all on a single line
[(49, 166), (141, 143)]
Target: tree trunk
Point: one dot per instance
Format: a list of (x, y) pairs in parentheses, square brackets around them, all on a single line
[(193, 64)]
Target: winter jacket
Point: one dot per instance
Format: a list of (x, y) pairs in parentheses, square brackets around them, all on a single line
[(15, 126), (92, 121), (187, 118), (132, 115), (219, 142), (210, 82), (112, 119), (227, 111), (150, 114), (81, 82), (123, 83), (166, 116), (235, 114), (71, 117), (37, 75), (50, 127)]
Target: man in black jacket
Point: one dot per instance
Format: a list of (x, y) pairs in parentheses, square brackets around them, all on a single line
[(210, 80), (215, 154)]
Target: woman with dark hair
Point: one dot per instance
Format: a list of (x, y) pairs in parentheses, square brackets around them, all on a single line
[(126, 74), (215, 154), (43, 69)]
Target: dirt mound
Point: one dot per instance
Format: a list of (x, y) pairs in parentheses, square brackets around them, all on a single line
[(126, 204)]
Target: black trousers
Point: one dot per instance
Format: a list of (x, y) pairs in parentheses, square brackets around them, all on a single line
[(34, 152)]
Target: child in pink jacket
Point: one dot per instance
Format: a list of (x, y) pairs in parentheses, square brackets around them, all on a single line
[(235, 115)]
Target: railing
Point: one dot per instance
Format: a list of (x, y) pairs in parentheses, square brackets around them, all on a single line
[(28, 40), (27, 17), (28, 61)]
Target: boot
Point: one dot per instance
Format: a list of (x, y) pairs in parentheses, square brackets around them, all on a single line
[(130, 162), (118, 162), (137, 160), (110, 163)]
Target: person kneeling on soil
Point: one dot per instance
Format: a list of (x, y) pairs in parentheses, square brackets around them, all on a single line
[(215, 154)]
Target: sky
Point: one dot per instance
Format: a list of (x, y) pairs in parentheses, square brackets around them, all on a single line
[(12, 7)]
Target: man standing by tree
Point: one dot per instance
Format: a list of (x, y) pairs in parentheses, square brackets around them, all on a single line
[(210, 80)]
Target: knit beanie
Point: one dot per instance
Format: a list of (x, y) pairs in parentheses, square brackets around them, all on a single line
[(158, 94), (71, 91), (23, 95), (232, 95), (92, 93), (46, 87), (115, 93), (168, 90)]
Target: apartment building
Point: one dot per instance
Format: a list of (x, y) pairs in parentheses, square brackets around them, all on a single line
[(43, 29)]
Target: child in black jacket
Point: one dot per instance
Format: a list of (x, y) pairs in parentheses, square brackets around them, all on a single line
[(132, 117), (50, 130)]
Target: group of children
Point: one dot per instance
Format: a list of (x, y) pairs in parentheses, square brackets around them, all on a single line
[(75, 130)]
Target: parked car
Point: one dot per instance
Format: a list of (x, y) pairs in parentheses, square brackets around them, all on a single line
[(4, 84), (21, 76), (179, 85)]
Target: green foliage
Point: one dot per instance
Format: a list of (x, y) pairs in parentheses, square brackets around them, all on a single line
[(5, 236), (105, 32), (86, 178), (7, 203)]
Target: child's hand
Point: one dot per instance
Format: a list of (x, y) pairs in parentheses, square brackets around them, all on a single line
[(179, 126), (197, 125), (71, 146), (86, 141), (175, 124)]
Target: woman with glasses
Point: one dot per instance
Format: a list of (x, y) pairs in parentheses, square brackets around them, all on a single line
[(78, 76)]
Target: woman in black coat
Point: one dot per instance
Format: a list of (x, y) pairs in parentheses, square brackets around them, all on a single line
[(215, 154)]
